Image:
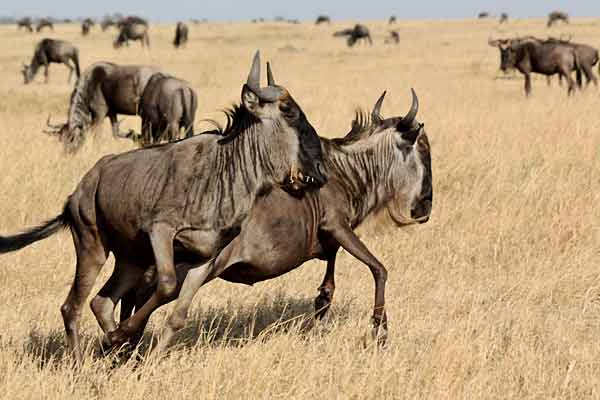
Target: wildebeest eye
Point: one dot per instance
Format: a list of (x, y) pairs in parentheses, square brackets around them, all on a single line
[(288, 110)]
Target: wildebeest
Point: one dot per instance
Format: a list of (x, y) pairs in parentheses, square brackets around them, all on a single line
[(483, 14), (556, 16), (132, 31), (86, 25), (107, 22), (394, 38), (167, 106), (322, 19), (44, 23), (359, 32), (180, 202), (52, 51), (104, 90), (503, 18), (587, 57), (530, 55), (392, 20), (25, 23), (382, 164), (181, 35)]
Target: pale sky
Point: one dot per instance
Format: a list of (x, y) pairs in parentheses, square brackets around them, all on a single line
[(230, 10)]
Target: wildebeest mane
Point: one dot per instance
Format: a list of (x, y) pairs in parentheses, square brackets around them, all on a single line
[(238, 120), (362, 126)]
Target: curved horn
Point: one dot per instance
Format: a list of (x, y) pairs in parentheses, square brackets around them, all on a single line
[(414, 108), (376, 113), (254, 75), (270, 79)]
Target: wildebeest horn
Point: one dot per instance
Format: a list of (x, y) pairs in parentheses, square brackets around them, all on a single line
[(254, 76), (270, 80), (414, 108), (376, 113)]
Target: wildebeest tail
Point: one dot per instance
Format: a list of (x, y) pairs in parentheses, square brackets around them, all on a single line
[(578, 70), (24, 239), (190, 105)]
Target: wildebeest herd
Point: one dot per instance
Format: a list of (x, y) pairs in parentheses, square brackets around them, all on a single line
[(217, 204)]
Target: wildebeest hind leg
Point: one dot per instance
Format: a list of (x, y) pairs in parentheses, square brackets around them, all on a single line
[(326, 290), (70, 71), (125, 277), (91, 256)]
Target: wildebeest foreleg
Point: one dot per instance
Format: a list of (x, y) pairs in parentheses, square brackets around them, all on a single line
[(323, 300), (114, 124), (46, 73), (351, 243), (161, 238), (527, 84)]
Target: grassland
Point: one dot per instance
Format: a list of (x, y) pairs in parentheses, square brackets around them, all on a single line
[(498, 296)]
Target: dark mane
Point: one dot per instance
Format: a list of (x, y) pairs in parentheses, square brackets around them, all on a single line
[(239, 119), (361, 125)]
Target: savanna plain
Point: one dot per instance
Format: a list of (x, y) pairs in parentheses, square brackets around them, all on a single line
[(497, 296)]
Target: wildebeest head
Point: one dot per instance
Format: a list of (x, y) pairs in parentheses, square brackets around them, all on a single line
[(27, 73), (275, 108), (507, 54), (410, 176)]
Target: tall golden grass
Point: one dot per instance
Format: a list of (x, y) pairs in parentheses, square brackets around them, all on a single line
[(498, 296)]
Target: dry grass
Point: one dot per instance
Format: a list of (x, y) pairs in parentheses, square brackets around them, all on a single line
[(498, 296)]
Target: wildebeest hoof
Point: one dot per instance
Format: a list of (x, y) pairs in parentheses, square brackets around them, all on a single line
[(322, 304), (117, 338), (380, 336)]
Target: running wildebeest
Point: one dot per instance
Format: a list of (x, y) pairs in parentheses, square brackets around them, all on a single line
[(503, 18), (556, 16), (132, 31), (104, 90), (394, 38), (392, 20), (483, 14), (531, 55), (44, 23), (86, 25), (323, 19), (178, 202), (167, 106), (359, 32), (52, 51), (25, 23), (181, 35), (382, 164)]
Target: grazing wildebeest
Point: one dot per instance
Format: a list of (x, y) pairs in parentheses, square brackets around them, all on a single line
[(394, 38), (104, 90), (532, 55), (132, 31), (181, 35), (381, 164), (86, 25), (44, 23), (322, 19), (359, 32), (25, 23), (167, 106), (178, 202), (52, 51), (503, 18), (483, 14), (556, 16), (392, 20), (107, 22)]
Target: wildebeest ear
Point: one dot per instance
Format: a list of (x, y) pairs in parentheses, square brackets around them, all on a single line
[(376, 113), (249, 99), (411, 136)]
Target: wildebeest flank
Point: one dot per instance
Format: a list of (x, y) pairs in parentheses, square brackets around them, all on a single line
[(178, 202)]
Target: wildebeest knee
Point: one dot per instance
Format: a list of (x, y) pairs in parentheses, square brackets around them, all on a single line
[(167, 287)]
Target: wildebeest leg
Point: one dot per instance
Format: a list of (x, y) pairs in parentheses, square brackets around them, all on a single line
[(323, 300), (570, 82), (549, 79), (114, 123), (161, 239), (527, 84), (351, 243), (125, 277), (589, 75), (91, 256), (70, 70), (194, 279), (46, 73)]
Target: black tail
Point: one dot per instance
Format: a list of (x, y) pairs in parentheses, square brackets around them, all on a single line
[(578, 72), (189, 112), (76, 62), (17, 242)]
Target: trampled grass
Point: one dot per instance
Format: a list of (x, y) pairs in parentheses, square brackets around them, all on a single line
[(498, 296)]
